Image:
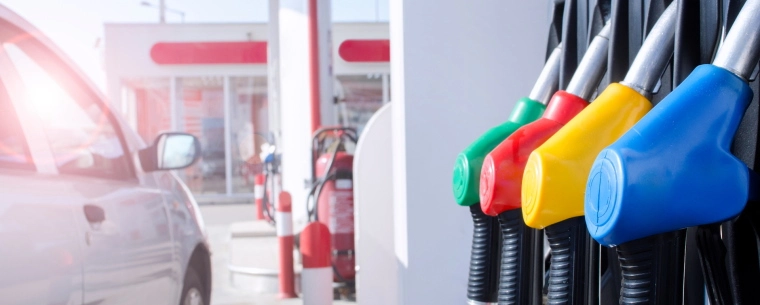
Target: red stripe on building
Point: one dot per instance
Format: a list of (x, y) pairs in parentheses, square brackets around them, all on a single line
[(355, 50), (186, 53), (255, 52)]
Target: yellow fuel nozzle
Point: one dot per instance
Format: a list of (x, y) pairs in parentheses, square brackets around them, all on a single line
[(555, 175)]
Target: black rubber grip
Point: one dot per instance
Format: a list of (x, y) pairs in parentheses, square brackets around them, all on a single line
[(516, 259), (538, 270), (652, 269), (483, 282), (567, 240)]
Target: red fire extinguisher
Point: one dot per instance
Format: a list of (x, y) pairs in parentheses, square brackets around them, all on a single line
[(332, 186)]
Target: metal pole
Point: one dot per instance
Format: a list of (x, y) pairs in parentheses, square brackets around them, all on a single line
[(162, 11), (227, 135), (386, 88), (316, 105), (174, 105)]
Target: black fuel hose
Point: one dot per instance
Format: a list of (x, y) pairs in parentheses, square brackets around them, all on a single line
[(266, 205), (516, 259), (312, 199), (652, 269), (567, 270), (483, 281)]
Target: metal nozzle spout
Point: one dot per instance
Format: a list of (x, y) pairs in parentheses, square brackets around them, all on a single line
[(740, 52), (548, 80), (654, 54), (592, 67)]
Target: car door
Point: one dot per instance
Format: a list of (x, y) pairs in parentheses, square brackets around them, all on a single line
[(41, 248), (129, 258)]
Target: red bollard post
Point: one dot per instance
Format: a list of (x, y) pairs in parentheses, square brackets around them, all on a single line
[(284, 221), (258, 194), (317, 274)]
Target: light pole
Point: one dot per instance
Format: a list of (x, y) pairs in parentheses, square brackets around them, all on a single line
[(162, 9)]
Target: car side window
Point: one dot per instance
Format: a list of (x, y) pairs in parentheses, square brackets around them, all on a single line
[(14, 152), (81, 134)]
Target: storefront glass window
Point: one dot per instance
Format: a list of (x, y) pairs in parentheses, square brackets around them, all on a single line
[(363, 95), (146, 106), (249, 129), (201, 111)]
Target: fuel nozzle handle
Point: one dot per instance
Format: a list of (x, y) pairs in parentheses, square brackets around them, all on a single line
[(674, 168)]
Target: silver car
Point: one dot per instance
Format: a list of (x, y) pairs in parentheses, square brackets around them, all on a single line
[(89, 214)]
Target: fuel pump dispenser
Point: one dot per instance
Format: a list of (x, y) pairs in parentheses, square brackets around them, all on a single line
[(502, 169), (555, 173), (482, 286), (271, 169), (330, 199), (674, 168)]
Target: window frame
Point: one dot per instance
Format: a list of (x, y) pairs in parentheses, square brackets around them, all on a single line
[(30, 165)]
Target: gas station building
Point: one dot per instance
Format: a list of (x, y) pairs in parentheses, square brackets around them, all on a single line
[(210, 80), (457, 69)]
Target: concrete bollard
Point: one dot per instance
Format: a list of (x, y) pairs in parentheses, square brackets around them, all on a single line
[(284, 223), (317, 273)]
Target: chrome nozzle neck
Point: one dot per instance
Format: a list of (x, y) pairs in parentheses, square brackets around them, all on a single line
[(592, 67), (548, 81), (654, 55)]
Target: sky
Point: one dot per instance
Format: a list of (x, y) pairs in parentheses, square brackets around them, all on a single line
[(76, 26)]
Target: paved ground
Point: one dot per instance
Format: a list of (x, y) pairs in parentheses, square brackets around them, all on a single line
[(218, 219)]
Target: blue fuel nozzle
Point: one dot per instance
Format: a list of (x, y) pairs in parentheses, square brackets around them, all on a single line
[(674, 168)]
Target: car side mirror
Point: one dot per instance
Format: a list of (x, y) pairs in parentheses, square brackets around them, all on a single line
[(171, 150)]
